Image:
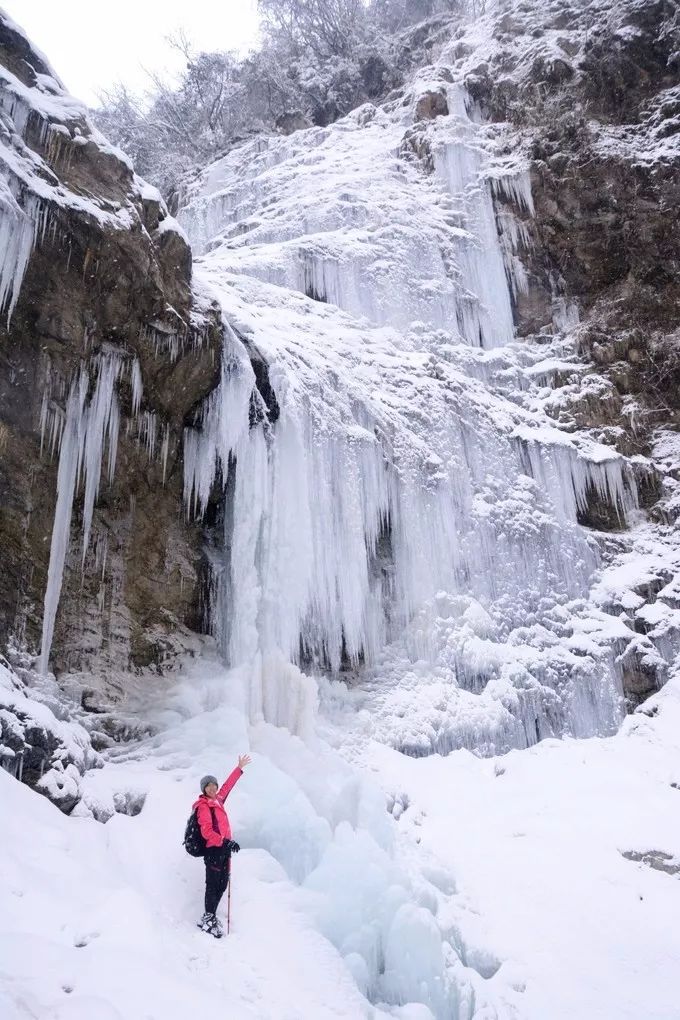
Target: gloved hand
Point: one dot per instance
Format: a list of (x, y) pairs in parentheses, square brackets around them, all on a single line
[(232, 846)]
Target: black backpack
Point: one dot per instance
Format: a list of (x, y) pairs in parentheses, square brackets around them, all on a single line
[(193, 841)]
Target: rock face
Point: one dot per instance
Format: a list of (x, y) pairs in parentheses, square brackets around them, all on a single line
[(109, 276), (598, 108)]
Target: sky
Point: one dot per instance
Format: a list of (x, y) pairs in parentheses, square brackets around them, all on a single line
[(92, 45)]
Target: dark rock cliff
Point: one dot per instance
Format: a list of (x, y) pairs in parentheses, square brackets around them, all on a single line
[(109, 272)]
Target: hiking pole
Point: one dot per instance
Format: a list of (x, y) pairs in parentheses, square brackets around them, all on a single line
[(229, 901)]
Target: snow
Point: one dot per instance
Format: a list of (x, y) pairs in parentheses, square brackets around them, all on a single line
[(109, 946), (31, 734), (97, 902), (483, 884), (536, 843), (170, 225)]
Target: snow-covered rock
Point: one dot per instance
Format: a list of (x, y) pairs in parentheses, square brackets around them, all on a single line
[(47, 751)]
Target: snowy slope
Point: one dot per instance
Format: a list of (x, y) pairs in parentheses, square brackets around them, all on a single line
[(493, 889), (566, 860), (99, 921)]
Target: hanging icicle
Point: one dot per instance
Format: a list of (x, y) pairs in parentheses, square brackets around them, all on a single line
[(88, 428)]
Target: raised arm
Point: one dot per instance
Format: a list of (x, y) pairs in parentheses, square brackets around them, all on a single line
[(233, 778)]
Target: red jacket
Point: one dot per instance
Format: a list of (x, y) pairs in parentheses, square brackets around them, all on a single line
[(204, 814)]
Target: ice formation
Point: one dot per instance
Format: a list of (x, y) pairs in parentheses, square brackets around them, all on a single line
[(409, 250), (394, 471), (17, 229), (90, 426)]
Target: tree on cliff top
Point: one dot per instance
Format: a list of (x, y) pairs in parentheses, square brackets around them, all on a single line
[(318, 60)]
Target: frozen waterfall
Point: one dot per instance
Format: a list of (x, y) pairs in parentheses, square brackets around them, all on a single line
[(390, 475)]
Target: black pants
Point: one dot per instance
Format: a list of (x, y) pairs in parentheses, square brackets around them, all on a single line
[(217, 868)]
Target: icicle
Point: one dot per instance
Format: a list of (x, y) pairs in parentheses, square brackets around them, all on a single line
[(66, 483), (14, 106), (225, 418), (101, 420), (86, 428), (101, 554), (44, 406), (137, 386), (517, 188), (147, 429), (165, 447), (17, 233)]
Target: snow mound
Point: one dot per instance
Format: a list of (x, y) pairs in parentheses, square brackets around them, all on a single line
[(39, 747)]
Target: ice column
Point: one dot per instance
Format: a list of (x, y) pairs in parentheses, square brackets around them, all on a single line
[(485, 315), (89, 426), (17, 232)]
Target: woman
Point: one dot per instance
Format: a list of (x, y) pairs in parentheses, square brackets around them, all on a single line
[(216, 831)]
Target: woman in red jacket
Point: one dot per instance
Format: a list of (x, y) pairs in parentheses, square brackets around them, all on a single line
[(216, 831)]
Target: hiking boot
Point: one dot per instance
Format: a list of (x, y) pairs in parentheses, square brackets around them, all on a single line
[(211, 925)]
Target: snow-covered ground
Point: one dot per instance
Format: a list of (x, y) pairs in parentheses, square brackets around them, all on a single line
[(537, 842), (370, 884), (98, 921)]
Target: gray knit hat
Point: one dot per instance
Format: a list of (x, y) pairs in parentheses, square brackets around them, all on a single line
[(206, 780)]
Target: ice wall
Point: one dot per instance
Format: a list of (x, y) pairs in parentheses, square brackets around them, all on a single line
[(401, 475), (376, 237), (399, 470), (387, 477)]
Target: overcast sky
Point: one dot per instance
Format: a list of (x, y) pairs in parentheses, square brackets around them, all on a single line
[(92, 44)]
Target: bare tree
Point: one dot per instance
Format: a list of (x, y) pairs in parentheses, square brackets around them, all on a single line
[(327, 28)]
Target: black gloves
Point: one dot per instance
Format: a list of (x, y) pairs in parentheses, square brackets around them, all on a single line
[(231, 846)]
